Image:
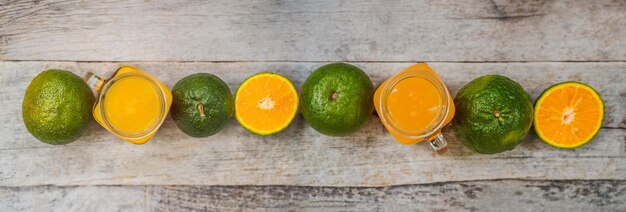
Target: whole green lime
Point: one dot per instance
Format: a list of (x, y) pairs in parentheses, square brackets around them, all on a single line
[(202, 104), (57, 107), (336, 99), (493, 114)]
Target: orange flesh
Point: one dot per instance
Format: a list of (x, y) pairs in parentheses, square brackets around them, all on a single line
[(266, 103), (569, 115), (132, 105), (414, 103)]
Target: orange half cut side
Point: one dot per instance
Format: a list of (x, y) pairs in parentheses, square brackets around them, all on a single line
[(568, 115), (266, 103)]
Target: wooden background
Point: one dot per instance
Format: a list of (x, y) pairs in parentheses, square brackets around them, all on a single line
[(535, 42)]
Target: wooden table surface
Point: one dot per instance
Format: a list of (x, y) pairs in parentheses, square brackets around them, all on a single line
[(535, 42)]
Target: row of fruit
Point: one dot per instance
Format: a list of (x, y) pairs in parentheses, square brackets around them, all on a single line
[(493, 112)]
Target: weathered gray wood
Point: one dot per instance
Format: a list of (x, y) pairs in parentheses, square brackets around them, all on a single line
[(299, 155), (509, 195), (63, 199), (321, 30), (504, 195)]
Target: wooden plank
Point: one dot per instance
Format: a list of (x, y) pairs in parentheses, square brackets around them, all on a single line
[(512, 195), (507, 195), (82, 198), (321, 30), (299, 155)]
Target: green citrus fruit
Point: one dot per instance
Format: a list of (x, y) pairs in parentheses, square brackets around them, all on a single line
[(336, 99), (493, 114), (57, 107), (202, 104)]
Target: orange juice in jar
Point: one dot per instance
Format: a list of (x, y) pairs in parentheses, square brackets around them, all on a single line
[(132, 104), (414, 105)]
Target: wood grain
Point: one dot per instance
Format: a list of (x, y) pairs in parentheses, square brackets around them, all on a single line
[(512, 195), (535, 42), (456, 196), (299, 155), (320, 30), (82, 198)]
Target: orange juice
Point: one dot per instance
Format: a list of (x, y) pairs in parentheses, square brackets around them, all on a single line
[(132, 111), (132, 104), (414, 105)]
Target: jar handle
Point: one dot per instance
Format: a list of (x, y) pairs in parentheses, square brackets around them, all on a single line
[(94, 81), (439, 145)]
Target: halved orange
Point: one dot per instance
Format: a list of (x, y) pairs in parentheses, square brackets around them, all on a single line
[(568, 114), (266, 103)]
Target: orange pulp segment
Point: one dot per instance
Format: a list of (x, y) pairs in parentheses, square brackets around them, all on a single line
[(568, 115), (266, 103)]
